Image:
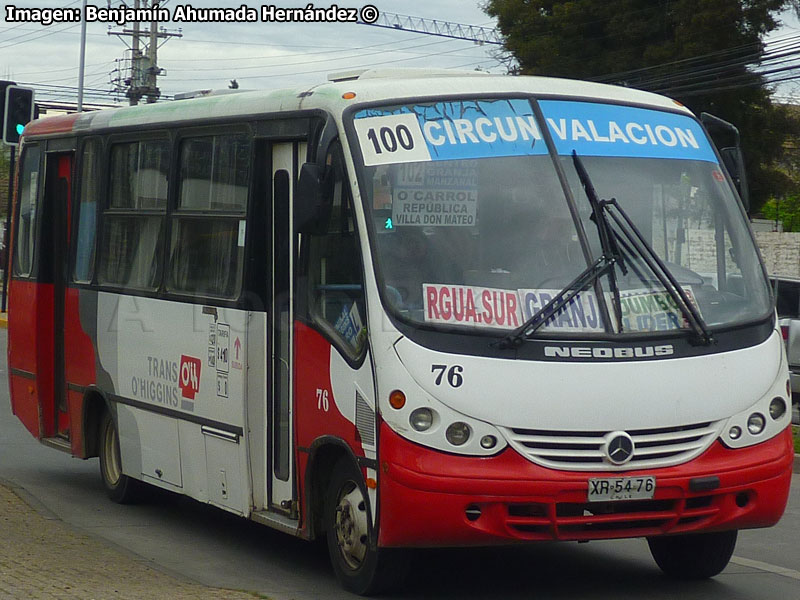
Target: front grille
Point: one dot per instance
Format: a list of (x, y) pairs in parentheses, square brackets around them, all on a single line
[(365, 421), (585, 521), (584, 451)]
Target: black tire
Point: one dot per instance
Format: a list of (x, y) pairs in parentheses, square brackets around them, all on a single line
[(119, 487), (696, 556), (360, 566)]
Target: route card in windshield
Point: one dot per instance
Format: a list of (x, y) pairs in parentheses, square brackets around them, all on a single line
[(438, 131), (473, 306), (592, 129)]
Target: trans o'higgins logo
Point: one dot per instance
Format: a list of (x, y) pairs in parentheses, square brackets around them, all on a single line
[(189, 376), (607, 353)]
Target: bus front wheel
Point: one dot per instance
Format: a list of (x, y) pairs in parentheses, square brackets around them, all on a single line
[(695, 556), (360, 566), (119, 487)]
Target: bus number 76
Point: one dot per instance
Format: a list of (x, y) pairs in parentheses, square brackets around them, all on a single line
[(322, 400), (454, 374)]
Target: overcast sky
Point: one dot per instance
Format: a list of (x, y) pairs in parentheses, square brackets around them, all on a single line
[(257, 55)]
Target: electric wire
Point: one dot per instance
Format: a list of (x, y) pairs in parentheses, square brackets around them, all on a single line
[(703, 74), (328, 70), (698, 58)]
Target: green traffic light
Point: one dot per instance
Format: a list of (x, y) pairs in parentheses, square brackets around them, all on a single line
[(20, 128)]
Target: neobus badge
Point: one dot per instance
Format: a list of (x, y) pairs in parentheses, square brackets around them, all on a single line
[(609, 353)]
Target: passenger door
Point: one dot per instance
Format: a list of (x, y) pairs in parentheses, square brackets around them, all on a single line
[(36, 333), (280, 331)]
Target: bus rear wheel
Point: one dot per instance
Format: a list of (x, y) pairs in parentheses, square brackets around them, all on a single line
[(695, 556), (119, 487), (360, 566)]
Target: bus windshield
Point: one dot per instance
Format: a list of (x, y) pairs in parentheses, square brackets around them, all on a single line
[(474, 225)]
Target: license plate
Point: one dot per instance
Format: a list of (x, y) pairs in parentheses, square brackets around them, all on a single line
[(621, 488)]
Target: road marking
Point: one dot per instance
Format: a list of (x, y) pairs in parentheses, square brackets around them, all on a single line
[(762, 566)]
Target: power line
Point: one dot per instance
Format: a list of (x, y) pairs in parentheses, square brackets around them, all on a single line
[(24, 73), (325, 49), (324, 60), (699, 58), (704, 72), (329, 69), (4, 44)]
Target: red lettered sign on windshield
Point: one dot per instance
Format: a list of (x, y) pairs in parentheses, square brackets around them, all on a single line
[(472, 306)]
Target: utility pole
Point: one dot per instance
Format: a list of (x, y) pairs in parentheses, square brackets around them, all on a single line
[(82, 65), (144, 70), (153, 71), (136, 61)]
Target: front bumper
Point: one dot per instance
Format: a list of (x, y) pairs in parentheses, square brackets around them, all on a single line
[(429, 498)]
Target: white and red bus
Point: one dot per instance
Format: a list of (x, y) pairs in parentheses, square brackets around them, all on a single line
[(406, 309)]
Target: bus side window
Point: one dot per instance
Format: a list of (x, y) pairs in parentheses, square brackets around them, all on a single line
[(333, 268), (208, 229), (27, 214), (133, 224), (90, 183)]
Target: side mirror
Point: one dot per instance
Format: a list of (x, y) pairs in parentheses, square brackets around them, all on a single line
[(731, 156), (311, 212), (734, 162)]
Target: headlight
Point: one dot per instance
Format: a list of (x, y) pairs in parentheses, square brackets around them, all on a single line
[(421, 419), (458, 433), (777, 408), (756, 423), (766, 418), (488, 442)]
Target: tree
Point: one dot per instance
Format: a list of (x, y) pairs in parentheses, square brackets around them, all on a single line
[(785, 209), (655, 45)]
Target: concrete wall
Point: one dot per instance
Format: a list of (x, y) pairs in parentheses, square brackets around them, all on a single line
[(781, 252)]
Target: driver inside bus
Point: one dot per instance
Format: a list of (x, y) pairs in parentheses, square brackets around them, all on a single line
[(546, 254), (409, 264)]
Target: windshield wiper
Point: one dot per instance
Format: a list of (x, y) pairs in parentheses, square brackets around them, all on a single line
[(610, 240), (591, 274), (637, 243), (610, 257), (656, 265)]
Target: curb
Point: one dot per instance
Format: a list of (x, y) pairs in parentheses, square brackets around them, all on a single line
[(3, 320), (796, 467), (38, 507)]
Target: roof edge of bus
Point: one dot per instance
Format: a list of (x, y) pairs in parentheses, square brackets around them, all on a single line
[(51, 125), (400, 73), (207, 92), (372, 85)]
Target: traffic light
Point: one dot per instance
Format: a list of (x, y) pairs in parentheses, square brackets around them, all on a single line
[(18, 113), (3, 86)]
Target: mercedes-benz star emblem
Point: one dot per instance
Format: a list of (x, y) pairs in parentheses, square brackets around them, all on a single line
[(619, 448)]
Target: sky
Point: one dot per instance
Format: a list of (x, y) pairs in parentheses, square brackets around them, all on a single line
[(258, 55)]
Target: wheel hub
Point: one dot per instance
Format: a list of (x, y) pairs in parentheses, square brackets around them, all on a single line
[(351, 526)]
